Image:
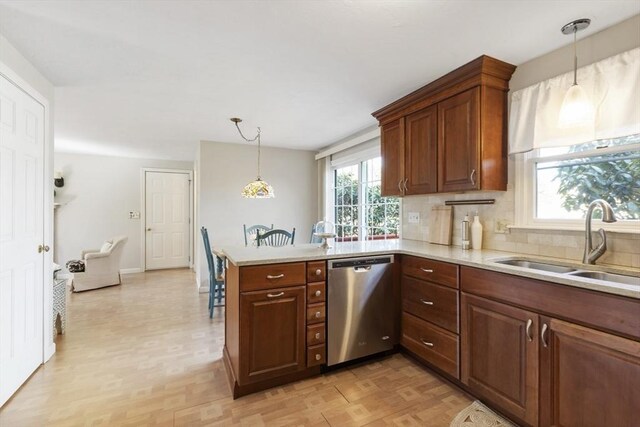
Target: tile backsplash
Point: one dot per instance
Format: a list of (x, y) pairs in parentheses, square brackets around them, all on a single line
[(623, 248)]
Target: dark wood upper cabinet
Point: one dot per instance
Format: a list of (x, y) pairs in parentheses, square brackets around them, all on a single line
[(420, 152), (458, 143), (587, 378), (450, 135), (272, 333), (499, 355), (392, 152)]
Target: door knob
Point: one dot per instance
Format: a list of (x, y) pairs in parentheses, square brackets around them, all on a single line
[(149, 229)]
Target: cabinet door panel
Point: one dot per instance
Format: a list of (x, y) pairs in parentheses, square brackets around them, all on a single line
[(458, 142), (272, 333), (392, 150), (500, 355), (588, 377), (421, 155)]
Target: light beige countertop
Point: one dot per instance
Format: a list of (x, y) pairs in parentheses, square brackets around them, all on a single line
[(244, 256)]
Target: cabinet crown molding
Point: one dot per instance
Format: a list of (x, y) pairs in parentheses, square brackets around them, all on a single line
[(483, 70)]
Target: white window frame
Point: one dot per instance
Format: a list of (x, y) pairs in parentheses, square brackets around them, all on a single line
[(526, 193), (354, 160)]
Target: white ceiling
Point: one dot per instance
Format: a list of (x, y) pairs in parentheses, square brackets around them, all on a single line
[(152, 78)]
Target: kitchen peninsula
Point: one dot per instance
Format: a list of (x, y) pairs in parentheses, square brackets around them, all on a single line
[(509, 335)]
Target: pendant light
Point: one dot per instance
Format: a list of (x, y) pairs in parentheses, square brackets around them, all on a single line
[(577, 109), (257, 189)]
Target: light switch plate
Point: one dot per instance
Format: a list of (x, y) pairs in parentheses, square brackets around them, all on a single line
[(414, 217), (134, 215)]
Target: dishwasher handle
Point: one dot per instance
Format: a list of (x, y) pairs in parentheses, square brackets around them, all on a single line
[(362, 268)]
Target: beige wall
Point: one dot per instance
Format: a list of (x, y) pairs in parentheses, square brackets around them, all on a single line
[(224, 169), (98, 194), (624, 248)]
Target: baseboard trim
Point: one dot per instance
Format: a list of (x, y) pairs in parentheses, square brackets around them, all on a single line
[(49, 351), (131, 270)]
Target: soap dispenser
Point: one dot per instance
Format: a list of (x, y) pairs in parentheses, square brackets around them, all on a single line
[(465, 232), (476, 232)]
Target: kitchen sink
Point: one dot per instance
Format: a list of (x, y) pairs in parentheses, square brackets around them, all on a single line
[(609, 277), (536, 265), (576, 272)]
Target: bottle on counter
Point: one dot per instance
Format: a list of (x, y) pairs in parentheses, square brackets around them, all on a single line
[(466, 231), (476, 232)]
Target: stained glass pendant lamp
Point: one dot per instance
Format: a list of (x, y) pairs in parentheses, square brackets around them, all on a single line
[(257, 189), (577, 109)]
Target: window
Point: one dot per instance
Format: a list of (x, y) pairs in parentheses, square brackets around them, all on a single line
[(559, 183), (360, 212)]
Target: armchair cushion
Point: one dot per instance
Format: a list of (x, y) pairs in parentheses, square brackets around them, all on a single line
[(106, 246)]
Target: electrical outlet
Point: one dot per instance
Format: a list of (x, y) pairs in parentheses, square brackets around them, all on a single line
[(134, 215), (501, 226), (414, 217)]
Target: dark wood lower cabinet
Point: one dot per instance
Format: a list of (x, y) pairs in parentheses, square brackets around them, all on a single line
[(588, 378), (499, 355), (272, 333)]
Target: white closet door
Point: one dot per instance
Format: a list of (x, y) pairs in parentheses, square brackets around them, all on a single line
[(167, 220), (21, 232)]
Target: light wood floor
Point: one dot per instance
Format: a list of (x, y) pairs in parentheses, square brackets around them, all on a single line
[(147, 354)]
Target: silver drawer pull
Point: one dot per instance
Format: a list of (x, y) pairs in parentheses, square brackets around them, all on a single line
[(318, 293), (318, 272), (317, 335), (427, 270), (279, 294), (428, 344), (318, 357), (278, 276), (528, 329), (426, 302), (318, 314)]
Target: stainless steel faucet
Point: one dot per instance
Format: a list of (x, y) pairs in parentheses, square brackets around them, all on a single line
[(591, 254)]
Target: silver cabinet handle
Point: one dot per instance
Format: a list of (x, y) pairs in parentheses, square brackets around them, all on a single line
[(400, 185), (427, 343), (543, 334), (472, 177), (318, 272), (318, 357), (529, 323), (318, 293), (278, 276), (427, 270), (279, 294), (318, 314), (317, 335), (426, 302), (404, 184)]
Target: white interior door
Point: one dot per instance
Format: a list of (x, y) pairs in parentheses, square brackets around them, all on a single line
[(167, 220), (21, 232)]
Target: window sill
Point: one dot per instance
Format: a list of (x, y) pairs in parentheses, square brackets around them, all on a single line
[(630, 229)]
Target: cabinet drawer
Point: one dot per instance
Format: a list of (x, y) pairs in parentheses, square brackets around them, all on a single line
[(435, 303), (271, 276), (316, 292), (316, 271), (315, 313), (316, 334), (433, 271), (431, 343), (316, 355)]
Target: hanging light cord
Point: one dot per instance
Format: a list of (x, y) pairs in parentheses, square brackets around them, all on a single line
[(256, 138), (575, 57)]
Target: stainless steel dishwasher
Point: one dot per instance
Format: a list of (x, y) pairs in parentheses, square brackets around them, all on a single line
[(362, 308)]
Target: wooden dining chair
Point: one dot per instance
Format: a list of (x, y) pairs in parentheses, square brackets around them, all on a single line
[(216, 275), (276, 237), (249, 232)]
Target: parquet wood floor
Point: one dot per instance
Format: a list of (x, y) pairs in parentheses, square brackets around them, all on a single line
[(147, 354)]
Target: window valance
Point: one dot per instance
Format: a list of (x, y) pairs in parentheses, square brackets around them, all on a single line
[(613, 86)]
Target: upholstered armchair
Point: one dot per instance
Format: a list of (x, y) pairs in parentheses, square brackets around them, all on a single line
[(101, 266)]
